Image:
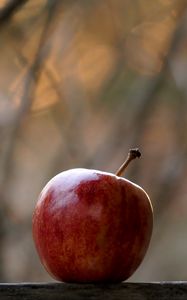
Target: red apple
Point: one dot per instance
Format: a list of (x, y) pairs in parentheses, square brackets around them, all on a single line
[(92, 226)]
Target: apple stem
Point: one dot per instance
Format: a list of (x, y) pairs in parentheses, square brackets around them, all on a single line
[(133, 153)]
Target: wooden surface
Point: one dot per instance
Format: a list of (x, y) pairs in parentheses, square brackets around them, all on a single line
[(127, 291)]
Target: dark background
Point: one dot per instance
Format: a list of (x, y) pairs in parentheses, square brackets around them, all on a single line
[(81, 82)]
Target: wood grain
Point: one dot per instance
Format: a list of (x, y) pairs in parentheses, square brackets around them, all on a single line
[(62, 291)]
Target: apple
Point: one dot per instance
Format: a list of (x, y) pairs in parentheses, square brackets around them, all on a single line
[(91, 226)]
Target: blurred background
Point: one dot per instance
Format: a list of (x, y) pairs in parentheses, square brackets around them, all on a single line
[(81, 82)]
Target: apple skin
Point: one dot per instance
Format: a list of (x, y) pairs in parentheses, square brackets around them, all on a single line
[(91, 226)]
